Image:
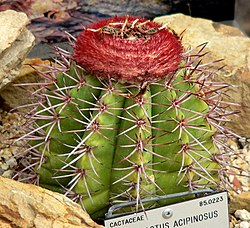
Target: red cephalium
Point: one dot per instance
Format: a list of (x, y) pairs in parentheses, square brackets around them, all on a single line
[(128, 49)]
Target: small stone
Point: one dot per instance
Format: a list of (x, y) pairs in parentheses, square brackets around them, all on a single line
[(245, 188), (16, 97), (15, 43), (244, 224), (243, 141), (4, 166), (11, 162), (8, 174), (5, 152), (243, 215)]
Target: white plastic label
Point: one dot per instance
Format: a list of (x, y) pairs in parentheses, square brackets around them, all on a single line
[(206, 212)]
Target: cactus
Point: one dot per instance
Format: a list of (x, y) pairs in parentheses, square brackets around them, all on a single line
[(129, 115)]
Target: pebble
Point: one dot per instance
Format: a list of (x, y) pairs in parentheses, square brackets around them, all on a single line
[(11, 162), (242, 161), (243, 215), (243, 224), (8, 174)]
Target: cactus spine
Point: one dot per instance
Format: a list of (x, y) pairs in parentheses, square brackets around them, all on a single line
[(128, 116)]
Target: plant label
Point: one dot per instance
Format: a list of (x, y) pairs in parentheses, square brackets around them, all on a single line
[(206, 212)]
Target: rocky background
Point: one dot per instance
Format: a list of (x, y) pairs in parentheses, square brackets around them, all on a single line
[(23, 205), (50, 18)]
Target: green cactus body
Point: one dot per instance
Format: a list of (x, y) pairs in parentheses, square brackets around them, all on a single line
[(115, 144), (104, 140)]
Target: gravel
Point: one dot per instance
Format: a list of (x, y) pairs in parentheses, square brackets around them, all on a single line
[(9, 130), (240, 219)]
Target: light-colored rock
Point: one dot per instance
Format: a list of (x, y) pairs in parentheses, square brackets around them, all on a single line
[(224, 42), (15, 43), (24, 205), (244, 224), (244, 215), (38, 8), (16, 95)]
